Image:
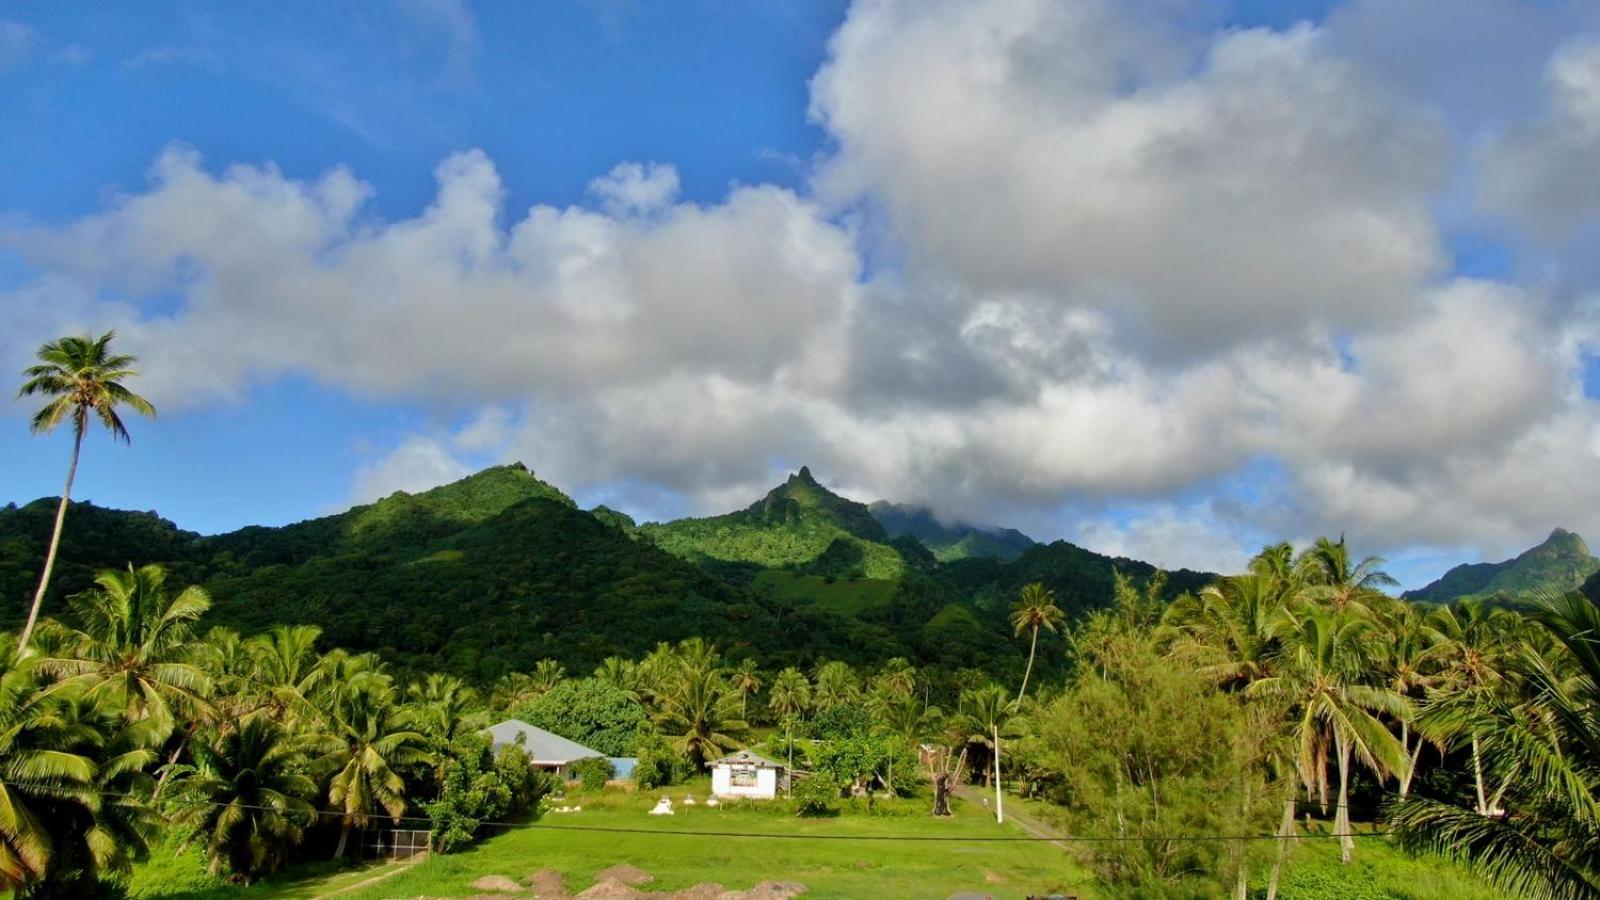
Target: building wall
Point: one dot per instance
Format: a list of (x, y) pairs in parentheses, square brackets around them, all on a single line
[(765, 788)]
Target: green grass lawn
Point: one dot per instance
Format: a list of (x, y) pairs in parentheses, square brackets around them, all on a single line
[(833, 866), (830, 867)]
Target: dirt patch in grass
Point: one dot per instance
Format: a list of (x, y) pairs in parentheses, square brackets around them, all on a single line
[(626, 874), (497, 883), (547, 883), (611, 890)]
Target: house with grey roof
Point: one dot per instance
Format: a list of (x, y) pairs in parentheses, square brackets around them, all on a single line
[(546, 750)]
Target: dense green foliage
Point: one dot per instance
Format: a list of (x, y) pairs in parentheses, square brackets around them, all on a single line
[(1561, 563), (590, 711)]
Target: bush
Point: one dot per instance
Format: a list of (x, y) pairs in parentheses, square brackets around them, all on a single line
[(658, 764), (593, 773), (479, 787), (817, 795), (589, 711)]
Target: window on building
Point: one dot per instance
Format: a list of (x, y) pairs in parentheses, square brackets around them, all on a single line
[(743, 776)]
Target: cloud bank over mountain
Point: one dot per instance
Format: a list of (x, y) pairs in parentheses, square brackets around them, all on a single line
[(1058, 268)]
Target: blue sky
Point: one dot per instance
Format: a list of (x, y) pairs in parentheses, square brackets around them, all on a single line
[(949, 313)]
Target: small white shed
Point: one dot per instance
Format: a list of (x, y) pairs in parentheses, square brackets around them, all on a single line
[(748, 775)]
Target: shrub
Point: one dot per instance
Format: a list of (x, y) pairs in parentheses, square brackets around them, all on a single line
[(816, 796), (593, 773), (658, 764)]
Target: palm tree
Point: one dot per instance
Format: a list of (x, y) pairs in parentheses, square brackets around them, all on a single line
[(35, 765), (546, 674), (1545, 844), (1035, 608), (246, 799), (1226, 632), (836, 685), (443, 705), (1318, 676), (746, 679), (135, 647), (80, 376), (700, 713), (1472, 652), (286, 667), (1407, 654), (368, 738), (898, 678), (982, 715), (1333, 577), (622, 674), (907, 722), (790, 697)]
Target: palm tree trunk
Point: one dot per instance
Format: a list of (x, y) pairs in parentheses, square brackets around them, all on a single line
[(344, 835), (1341, 818), (1477, 777), (1285, 833), (1411, 763), (1032, 646), (999, 800), (55, 536)]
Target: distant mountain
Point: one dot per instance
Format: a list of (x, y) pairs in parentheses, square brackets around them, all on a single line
[(1561, 563), (949, 541)]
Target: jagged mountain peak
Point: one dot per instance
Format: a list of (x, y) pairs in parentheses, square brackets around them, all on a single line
[(1561, 562)]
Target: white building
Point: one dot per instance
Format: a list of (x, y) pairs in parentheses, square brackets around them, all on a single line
[(744, 774)]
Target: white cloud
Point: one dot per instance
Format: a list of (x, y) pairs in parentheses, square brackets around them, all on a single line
[(1124, 263), (416, 464)]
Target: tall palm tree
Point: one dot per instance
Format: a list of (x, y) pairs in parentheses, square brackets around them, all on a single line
[(700, 713), (286, 668), (1318, 675), (1407, 654), (1033, 609), (983, 715), (622, 674), (908, 723), (368, 739), (790, 697), (245, 798), (898, 678), (546, 674), (443, 706), (1546, 843), (746, 679), (1335, 578), (81, 377), (135, 647)]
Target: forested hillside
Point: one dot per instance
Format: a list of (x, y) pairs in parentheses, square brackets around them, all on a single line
[(949, 540), (501, 569)]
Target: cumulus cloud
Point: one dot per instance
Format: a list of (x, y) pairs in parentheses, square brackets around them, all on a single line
[(1121, 265)]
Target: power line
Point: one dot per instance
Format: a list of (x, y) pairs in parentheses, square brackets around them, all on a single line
[(613, 829)]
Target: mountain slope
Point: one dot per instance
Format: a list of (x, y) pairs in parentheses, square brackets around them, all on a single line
[(1562, 562), (956, 540), (799, 525)]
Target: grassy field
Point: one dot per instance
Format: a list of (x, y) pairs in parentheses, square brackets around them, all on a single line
[(846, 596), (829, 867), (824, 858)]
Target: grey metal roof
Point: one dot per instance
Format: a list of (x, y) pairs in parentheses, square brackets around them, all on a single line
[(541, 746), (746, 758)]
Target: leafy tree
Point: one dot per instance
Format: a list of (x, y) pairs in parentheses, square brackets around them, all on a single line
[(246, 798), (656, 763), (479, 786), (591, 712), (81, 377), (1035, 608)]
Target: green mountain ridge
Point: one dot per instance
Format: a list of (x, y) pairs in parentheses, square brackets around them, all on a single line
[(1562, 562), (500, 569)]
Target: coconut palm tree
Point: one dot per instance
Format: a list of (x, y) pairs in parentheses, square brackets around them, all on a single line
[(1034, 608), (984, 716), (546, 674), (443, 706), (367, 740), (622, 674), (285, 662), (81, 377), (245, 798), (898, 678), (1407, 655), (1546, 842), (790, 697), (746, 679), (1226, 631), (908, 723), (1318, 676), (700, 713), (35, 765), (1474, 642), (1333, 577), (835, 685), (135, 648)]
